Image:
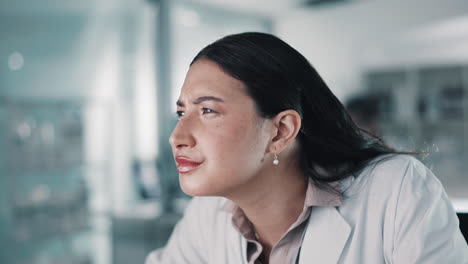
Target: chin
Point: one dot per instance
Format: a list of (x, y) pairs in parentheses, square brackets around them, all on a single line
[(193, 187)]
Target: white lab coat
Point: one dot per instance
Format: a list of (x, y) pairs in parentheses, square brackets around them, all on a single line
[(395, 212)]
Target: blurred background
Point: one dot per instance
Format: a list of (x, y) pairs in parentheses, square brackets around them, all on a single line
[(88, 88)]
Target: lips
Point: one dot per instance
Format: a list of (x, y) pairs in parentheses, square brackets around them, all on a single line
[(185, 164)]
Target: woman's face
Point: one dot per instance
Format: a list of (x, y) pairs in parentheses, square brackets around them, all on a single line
[(220, 141)]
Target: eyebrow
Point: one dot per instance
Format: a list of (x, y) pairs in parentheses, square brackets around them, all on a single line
[(201, 99)]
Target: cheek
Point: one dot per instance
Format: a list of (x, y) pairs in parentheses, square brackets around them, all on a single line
[(236, 146), (234, 152)]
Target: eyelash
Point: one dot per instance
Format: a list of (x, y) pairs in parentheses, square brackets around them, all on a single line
[(179, 114), (208, 110), (205, 110)]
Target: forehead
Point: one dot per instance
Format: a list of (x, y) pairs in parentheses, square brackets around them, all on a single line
[(208, 78)]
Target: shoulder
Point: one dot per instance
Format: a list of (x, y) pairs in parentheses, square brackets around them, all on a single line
[(404, 169), (388, 174), (194, 236), (202, 216), (396, 164)]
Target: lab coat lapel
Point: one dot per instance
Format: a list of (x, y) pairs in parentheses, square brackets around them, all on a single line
[(325, 237)]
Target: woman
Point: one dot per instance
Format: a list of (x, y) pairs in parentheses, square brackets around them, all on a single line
[(282, 175)]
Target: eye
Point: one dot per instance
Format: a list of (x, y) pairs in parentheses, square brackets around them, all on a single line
[(179, 114), (207, 110)]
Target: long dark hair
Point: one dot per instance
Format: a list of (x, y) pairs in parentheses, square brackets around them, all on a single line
[(278, 78)]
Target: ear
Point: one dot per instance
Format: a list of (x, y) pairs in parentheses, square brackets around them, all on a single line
[(287, 124)]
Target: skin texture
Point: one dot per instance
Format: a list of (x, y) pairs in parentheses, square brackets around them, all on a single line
[(235, 147), (228, 139)]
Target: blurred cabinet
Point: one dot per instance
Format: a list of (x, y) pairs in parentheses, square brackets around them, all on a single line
[(46, 214), (426, 109), (134, 236)]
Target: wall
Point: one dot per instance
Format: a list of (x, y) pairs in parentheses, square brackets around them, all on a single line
[(337, 39)]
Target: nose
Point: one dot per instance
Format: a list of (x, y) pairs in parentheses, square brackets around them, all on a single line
[(182, 136)]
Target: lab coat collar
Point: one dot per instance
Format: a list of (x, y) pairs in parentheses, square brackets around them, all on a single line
[(325, 237)]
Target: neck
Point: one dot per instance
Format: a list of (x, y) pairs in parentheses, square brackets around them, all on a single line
[(273, 202)]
